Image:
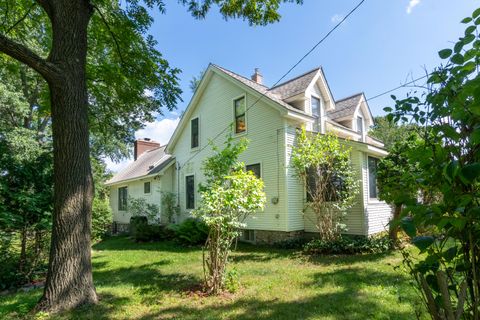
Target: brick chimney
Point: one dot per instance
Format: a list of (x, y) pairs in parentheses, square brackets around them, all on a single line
[(257, 76), (143, 145)]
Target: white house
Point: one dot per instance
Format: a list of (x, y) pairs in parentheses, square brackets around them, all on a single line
[(268, 117)]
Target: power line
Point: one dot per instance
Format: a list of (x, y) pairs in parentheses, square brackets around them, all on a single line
[(282, 77), (396, 88)]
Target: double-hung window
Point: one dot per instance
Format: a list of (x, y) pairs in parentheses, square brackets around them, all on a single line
[(146, 187), (372, 178), (190, 192), (122, 198), (330, 189), (316, 111), (255, 168), (194, 132), (360, 125), (240, 115)]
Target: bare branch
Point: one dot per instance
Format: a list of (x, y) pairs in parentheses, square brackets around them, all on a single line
[(23, 54)]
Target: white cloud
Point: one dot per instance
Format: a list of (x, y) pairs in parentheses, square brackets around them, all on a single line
[(411, 5), (336, 18), (159, 130)]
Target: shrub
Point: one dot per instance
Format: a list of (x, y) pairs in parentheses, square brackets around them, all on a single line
[(348, 245), (190, 232), (101, 218), (142, 231), (293, 243), (232, 281)]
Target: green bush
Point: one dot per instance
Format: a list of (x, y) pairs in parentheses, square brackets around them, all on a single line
[(293, 243), (141, 231), (190, 232), (101, 218), (348, 245)]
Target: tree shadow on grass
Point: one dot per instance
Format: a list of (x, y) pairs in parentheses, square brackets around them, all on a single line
[(342, 294), (124, 243)]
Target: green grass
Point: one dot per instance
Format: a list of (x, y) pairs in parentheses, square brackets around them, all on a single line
[(152, 281)]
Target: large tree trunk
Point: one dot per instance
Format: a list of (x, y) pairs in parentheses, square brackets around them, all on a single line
[(69, 279)]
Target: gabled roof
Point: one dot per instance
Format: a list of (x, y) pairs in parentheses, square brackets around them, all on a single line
[(150, 162), (345, 107), (296, 85), (260, 89)]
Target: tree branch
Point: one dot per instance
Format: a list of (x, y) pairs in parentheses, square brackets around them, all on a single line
[(21, 53)]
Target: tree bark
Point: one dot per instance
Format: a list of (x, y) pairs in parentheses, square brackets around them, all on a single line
[(393, 230), (69, 280)]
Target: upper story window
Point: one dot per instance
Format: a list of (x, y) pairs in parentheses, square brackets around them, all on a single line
[(316, 111), (122, 198), (315, 106), (330, 190), (360, 125), (240, 111), (255, 168), (372, 178), (146, 187), (190, 192), (194, 132)]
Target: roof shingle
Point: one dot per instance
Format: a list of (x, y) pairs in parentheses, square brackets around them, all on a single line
[(295, 86), (345, 107)]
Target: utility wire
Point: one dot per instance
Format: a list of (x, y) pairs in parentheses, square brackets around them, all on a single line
[(282, 77), (396, 88)]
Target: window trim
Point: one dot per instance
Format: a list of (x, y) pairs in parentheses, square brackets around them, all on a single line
[(362, 133), (198, 133), (244, 96), (123, 209), (320, 115), (255, 163), (370, 199), (150, 187), (186, 192)]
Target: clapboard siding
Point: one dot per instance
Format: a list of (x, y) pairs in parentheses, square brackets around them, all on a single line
[(135, 190), (265, 133), (377, 213)]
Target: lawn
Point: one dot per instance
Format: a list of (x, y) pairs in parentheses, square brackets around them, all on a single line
[(153, 281)]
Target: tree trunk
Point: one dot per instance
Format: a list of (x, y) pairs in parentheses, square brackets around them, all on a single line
[(393, 230), (69, 280)]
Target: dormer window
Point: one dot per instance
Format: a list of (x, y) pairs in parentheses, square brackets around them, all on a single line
[(317, 112), (316, 106), (360, 125)]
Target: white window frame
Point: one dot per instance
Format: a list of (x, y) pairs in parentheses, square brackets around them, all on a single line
[(251, 163), (371, 200), (197, 147), (244, 95), (194, 191), (118, 198), (149, 193)]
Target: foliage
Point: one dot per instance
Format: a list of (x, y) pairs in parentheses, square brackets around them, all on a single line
[(190, 231), (232, 281), (229, 196), (396, 177), (447, 272), (390, 132), (293, 243), (348, 245), (142, 231), (25, 205), (140, 207), (169, 206), (101, 218), (195, 81), (326, 161)]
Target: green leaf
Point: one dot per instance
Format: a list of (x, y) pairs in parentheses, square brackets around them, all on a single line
[(445, 53), (387, 109), (466, 20), (409, 227), (458, 46), (423, 242), (476, 13), (468, 38), (450, 253), (470, 30), (470, 172), (457, 58)]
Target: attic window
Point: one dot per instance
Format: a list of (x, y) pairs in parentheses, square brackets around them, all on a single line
[(360, 125), (316, 111), (194, 132), (240, 110)]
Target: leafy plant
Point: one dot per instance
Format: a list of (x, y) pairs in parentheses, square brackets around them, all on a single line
[(348, 245), (169, 206), (140, 207), (232, 281), (446, 272), (322, 163), (190, 231), (228, 197)]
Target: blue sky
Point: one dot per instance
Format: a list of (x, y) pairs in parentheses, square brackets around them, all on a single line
[(382, 45)]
